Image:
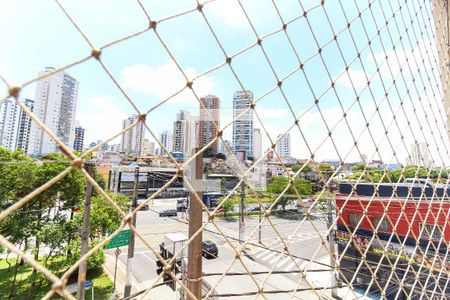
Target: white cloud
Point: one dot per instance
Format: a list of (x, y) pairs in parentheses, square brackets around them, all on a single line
[(228, 11), (409, 60), (357, 77), (266, 113), (164, 81), (102, 118)]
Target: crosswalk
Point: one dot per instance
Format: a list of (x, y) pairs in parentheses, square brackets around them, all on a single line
[(282, 261)]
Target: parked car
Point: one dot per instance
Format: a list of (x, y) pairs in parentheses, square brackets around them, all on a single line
[(254, 208), (168, 213), (209, 249)]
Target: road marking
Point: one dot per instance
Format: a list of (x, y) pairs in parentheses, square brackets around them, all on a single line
[(263, 253), (256, 251), (270, 255), (277, 257), (297, 260), (282, 262)]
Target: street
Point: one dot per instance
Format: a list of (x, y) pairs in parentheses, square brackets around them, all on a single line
[(305, 245)]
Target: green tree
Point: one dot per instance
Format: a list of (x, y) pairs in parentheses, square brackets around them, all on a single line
[(208, 153), (221, 156), (279, 184), (407, 172), (104, 218), (297, 167), (94, 262), (229, 204)]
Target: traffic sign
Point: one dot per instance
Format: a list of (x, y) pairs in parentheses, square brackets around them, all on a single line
[(122, 239), (87, 284)]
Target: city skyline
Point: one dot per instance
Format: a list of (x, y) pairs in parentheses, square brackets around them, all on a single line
[(150, 80)]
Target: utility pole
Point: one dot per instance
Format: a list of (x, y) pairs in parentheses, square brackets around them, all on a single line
[(332, 244), (260, 225), (82, 270), (127, 291), (194, 266), (241, 214)]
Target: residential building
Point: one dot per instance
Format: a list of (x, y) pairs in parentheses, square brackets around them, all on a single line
[(166, 140), (418, 155), (78, 143), (15, 124), (55, 105), (242, 135), (182, 133), (257, 143), (148, 148), (24, 129), (223, 148), (196, 132), (133, 139), (209, 122), (283, 146)]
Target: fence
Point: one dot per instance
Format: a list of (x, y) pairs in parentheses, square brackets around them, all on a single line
[(362, 81)]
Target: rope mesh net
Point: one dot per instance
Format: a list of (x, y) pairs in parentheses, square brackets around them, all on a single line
[(367, 82)]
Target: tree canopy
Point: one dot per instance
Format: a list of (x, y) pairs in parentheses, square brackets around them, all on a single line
[(280, 183)]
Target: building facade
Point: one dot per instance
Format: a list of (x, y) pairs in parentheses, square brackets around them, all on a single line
[(242, 135), (283, 146), (78, 143), (133, 139), (257, 143), (15, 125), (149, 148), (166, 140), (418, 155), (23, 135), (209, 122), (182, 133), (55, 105), (223, 148)]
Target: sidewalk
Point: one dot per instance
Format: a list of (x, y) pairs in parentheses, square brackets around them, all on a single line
[(323, 279)]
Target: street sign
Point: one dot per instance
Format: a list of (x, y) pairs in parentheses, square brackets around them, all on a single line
[(122, 239), (87, 284)]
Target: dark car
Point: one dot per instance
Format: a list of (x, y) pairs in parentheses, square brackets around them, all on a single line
[(209, 249), (254, 208), (168, 213)]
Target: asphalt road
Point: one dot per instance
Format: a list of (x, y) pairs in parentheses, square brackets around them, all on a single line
[(305, 244)]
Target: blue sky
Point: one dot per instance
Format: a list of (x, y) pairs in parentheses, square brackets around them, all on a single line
[(36, 34)]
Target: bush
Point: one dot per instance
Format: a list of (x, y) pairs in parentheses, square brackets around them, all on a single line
[(94, 262)]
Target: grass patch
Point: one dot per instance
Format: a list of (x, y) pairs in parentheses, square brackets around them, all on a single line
[(31, 285)]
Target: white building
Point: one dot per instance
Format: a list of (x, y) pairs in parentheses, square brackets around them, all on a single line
[(223, 149), (418, 155), (283, 146), (183, 133), (257, 143), (56, 105), (15, 125), (148, 148), (166, 140), (242, 135), (133, 139)]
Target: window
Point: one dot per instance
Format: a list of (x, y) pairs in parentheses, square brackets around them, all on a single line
[(353, 219), (384, 226), (428, 232)]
